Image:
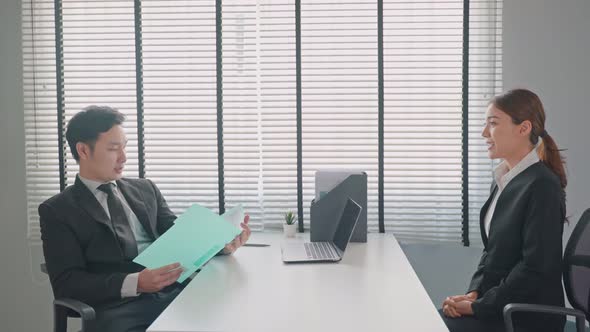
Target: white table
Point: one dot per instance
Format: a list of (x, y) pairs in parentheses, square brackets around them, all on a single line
[(373, 288)]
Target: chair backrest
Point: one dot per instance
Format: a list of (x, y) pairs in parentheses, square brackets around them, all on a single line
[(576, 274)]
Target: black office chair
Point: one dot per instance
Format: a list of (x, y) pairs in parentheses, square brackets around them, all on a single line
[(576, 278), (64, 308)]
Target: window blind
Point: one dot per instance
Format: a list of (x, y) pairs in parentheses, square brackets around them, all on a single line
[(41, 142), (339, 93), (259, 110), (180, 116), (485, 81), (99, 66), (422, 102), (422, 68), (423, 82)]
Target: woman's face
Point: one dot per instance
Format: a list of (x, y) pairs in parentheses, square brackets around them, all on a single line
[(505, 139)]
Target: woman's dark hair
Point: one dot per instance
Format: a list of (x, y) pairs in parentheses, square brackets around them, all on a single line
[(89, 123), (522, 105)]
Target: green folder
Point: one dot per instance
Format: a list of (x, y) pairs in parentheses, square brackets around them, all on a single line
[(196, 236)]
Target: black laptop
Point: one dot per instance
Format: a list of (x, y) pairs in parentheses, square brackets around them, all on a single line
[(325, 251)]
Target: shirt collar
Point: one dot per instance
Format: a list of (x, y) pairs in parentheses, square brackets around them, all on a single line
[(93, 185), (503, 175)]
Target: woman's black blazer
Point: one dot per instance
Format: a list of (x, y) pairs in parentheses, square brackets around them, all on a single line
[(522, 257)]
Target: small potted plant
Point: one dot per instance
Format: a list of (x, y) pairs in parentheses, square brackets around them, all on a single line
[(289, 227)]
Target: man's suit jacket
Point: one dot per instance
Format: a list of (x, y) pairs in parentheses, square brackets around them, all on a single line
[(522, 258), (83, 258)]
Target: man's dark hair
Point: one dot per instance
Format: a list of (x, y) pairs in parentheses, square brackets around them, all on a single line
[(89, 123)]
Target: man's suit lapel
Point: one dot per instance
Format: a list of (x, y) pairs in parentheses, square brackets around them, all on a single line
[(89, 203), (483, 212), (134, 198)]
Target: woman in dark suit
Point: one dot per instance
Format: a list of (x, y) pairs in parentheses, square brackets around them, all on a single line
[(521, 223)]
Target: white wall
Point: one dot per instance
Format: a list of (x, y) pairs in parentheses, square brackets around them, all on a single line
[(25, 303), (547, 49)]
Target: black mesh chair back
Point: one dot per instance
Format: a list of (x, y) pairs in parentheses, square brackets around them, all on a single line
[(576, 275), (576, 278)]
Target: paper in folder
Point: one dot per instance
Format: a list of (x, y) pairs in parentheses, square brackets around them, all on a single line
[(196, 236)]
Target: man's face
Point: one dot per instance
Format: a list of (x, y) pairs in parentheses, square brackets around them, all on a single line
[(106, 161)]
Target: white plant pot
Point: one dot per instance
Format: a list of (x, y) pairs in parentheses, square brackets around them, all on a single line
[(289, 230)]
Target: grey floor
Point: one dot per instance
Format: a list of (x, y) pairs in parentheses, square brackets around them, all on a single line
[(446, 269), (443, 269)]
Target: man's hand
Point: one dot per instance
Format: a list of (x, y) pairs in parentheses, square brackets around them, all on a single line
[(151, 281), (459, 305), (239, 240)]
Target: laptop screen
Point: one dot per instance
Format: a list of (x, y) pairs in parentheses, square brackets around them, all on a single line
[(348, 220)]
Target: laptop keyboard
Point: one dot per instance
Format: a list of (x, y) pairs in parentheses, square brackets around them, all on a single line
[(319, 250)]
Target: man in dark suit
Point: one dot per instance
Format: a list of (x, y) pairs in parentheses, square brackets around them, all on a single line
[(93, 230)]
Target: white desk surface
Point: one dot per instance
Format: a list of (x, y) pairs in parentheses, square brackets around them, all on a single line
[(373, 289)]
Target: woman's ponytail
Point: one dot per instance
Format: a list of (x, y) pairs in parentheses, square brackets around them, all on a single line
[(550, 155)]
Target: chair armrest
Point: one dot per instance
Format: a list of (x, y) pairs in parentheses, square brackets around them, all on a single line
[(85, 311), (511, 308)]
